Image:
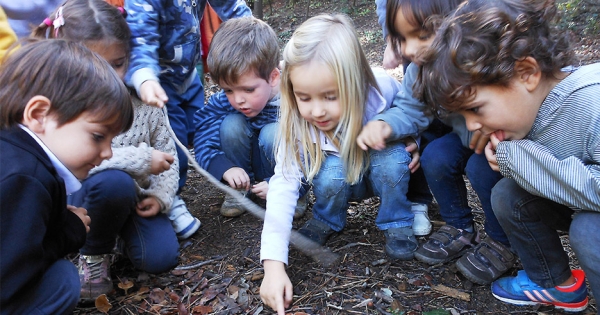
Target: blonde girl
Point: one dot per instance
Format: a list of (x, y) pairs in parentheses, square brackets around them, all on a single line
[(329, 92)]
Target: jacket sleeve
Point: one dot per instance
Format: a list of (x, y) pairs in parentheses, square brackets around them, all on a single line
[(143, 20), (407, 116), (164, 185), (381, 10), (207, 139), (229, 9), (569, 181), (33, 234)]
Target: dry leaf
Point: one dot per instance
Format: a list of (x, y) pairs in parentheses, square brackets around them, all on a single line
[(102, 304), (202, 309), (157, 295)]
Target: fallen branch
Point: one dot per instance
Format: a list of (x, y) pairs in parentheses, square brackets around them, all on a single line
[(201, 263), (319, 253), (454, 293)]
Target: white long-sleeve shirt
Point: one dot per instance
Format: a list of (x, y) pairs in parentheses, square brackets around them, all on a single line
[(285, 184)]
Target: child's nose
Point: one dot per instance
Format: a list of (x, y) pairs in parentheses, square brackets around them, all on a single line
[(409, 49), (471, 122), (318, 109), (239, 98), (106, 152)]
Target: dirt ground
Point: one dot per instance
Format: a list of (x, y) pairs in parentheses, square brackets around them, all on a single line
[(220, 271)]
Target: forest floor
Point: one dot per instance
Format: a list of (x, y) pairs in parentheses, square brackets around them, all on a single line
[(225, 272)]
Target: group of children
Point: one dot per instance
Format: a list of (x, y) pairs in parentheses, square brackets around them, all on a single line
[(98, 168)]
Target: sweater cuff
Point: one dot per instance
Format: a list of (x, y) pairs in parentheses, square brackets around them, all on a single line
[(140, 76), (502, 159)]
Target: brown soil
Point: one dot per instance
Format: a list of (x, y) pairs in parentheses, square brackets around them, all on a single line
[(228, 273)]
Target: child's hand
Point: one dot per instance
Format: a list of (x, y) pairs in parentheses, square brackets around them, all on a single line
[(82, 214), (478, 141), (490, 152), (153, 94), (148, 207), (413, 149), (276, 288), (261, 189), (161, 162), (237, 178), (373, 135), (390, 61)]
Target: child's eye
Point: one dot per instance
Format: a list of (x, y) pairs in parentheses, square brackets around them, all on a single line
[(474, 109), (331, 97), (249, 90), (424, 36), (98, 137), (303, 99), (228, 91)]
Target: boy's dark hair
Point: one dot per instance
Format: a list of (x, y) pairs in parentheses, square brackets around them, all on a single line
[(480, 44), (241, 45), (72, 77), (424, 14), (88, 21)]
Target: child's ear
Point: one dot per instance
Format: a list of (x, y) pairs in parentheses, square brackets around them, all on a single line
[(35, 114), (528, 72), (275, 77)]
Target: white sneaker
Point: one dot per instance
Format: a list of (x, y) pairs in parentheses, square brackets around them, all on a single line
[(421, 224), (182, 220)]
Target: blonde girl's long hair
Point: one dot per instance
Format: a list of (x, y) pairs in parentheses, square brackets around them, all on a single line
[(332, 41)]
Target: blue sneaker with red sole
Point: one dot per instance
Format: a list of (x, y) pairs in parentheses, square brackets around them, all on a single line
[(520, 290)]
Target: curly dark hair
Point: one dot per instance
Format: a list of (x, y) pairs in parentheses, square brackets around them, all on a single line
[(479, 45)]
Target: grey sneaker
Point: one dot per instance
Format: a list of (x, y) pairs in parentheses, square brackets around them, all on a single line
[(184, 223), (231, 207), (446, 244), (400, 243), (301, 206), (486, 262), (94, 276), (316, 231)]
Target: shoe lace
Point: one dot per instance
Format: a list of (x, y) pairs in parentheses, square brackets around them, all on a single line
[(95, 268)]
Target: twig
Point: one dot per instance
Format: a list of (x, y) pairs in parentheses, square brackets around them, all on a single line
[(321, 254), (201, 263), (352, 245)]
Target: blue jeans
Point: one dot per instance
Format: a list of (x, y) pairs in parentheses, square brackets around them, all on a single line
[(110, 199), (533, 222), (250, 149), (444, 162), (181, 109), (57, 292), (418, 188), (386, 177)]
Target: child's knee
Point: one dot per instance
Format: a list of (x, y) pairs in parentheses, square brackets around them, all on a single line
[(390, 166), (115, 183), (234, 127)]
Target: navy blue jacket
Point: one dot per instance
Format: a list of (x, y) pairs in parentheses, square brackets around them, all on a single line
[(36, 229)]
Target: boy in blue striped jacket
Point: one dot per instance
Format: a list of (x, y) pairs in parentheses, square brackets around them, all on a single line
[(507, 69), (235, 130)]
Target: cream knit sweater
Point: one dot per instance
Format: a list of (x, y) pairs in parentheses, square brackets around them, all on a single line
[(132, 153)]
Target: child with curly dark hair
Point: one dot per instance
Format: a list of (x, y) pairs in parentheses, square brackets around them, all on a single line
[(508, 70)]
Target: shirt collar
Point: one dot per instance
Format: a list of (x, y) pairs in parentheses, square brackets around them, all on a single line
[(72, 184)]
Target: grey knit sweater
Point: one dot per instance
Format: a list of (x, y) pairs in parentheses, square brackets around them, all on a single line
[(132, 153)]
